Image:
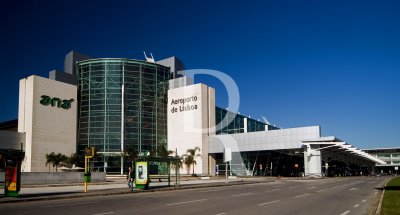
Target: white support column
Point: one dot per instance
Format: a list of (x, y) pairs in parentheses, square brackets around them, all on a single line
[(122, 127), (245, 125), (306, 169), (312, 162), (211, 164)]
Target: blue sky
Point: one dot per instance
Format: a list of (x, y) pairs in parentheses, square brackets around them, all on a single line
[(299, 63)]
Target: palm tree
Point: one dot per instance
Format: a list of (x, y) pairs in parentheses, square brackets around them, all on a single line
[(190, 157), (75, 159), (55, 159), (177, 163), (163, 152), (58, 159), (50, 159), (132, 153)]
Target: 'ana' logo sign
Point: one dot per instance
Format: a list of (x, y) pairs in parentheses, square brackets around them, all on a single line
[(64, 104)]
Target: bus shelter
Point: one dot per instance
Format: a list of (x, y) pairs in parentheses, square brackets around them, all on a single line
[(10, 171), (148, 169)]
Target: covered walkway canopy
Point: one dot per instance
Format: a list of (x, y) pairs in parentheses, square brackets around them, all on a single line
[(336, 149)]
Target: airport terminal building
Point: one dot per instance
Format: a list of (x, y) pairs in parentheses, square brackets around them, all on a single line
[(117, 105)]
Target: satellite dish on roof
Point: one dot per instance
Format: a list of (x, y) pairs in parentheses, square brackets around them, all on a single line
[(149, 59)]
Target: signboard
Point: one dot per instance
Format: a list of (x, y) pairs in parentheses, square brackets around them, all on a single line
[(184, 104), (89, 153), (227, 155), (60, 103), (11, 178), (142, 175)]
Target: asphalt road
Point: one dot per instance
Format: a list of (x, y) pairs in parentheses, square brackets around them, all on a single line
[(338, 196)]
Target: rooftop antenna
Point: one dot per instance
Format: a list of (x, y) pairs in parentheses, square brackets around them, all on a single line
[(265, 120), (149, 59)]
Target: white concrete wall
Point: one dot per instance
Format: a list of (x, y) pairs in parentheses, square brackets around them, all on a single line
[(188, 129), (47, 129), (312, 163), (12, 140), (31, 178), (263, 140)]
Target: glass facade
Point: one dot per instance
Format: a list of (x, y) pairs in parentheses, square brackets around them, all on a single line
[(236, 124), (144, 110), (390, 156)]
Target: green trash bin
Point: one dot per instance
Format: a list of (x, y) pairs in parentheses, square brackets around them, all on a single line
[(87, 177)]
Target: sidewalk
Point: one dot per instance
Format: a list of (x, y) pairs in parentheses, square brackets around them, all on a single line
[(51, 192)]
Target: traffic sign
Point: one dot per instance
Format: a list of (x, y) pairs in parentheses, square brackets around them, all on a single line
[(227, 155)]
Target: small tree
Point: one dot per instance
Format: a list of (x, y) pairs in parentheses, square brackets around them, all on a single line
[(50, 159), (55, 159), (176, 164), (132, 154), (75, 159), (163, 152), (58, 159), (190, 158)]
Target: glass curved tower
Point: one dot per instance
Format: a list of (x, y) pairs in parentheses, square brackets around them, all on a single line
[(123, 103)]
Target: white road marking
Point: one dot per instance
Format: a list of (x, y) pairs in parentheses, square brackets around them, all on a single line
[(221, 214), (346, 212), (364, 200), (272, 190), (356, 206), (322, 190), (207, 191), (375, 192), (311, 188), (72, 204), (178, 203), (302, 195), (291, 187), (267, 203), (104, 213), (167, 195), (243, 194), (353, 188)]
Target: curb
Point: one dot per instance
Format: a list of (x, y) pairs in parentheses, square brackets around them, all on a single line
[(378, 209), (123, 191), (71, 184)]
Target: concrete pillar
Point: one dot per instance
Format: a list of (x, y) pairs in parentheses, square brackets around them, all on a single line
[(312, 163), (245, 125), (211, 164)]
